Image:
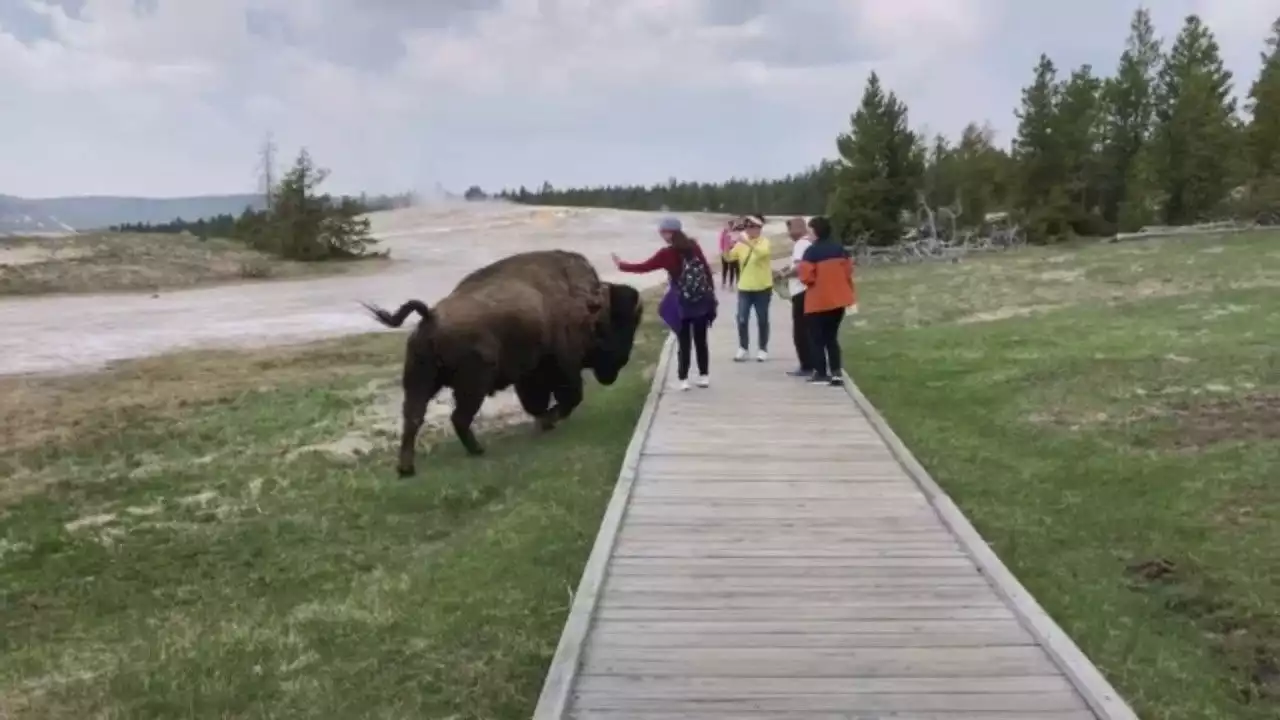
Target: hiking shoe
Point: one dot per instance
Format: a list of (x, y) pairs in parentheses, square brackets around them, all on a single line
[(740, 355), (704, 381), (761, 356)]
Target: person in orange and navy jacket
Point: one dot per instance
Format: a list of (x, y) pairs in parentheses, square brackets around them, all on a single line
[(826, 269)]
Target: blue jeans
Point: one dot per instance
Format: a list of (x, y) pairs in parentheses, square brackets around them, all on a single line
[(758, 299)]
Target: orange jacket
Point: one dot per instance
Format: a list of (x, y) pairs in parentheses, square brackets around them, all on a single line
[(827, 273)]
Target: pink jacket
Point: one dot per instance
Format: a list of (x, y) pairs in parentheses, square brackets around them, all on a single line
[(726, 241)]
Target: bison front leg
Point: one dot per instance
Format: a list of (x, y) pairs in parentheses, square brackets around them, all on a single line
[(568, 394), (535, 397)]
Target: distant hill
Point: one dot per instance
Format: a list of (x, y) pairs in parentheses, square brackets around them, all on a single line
[(21, 216)]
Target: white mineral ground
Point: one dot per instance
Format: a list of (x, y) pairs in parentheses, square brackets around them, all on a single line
[(432, 246)]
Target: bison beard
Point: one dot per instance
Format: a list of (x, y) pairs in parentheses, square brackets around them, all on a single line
[(533, 320)]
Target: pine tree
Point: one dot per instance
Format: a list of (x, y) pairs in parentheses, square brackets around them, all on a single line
[(941, 184), (1078, 126), (1263, 133), (880, 169), (1130, 107), (1195, 132), (1038, 151), (984, 174), (303, 224)]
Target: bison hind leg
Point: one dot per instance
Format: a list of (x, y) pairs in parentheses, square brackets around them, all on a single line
[(420, 385), (466, 405)]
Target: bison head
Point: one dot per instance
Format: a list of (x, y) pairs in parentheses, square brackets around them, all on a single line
[(615, 333)]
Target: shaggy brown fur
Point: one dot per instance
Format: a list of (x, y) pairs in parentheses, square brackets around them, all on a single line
[(534, 320)]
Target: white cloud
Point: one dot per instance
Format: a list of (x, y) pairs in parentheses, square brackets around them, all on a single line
[(393, 93)]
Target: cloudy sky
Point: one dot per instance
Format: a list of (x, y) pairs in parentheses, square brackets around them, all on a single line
[(171, 97)]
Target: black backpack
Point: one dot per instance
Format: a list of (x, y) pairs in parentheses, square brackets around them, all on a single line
[(694, 283)]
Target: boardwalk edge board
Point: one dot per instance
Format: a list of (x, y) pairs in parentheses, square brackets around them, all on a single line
[(1101, 697), (557, 688)]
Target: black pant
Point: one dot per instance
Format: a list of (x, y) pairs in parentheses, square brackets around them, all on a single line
[(728, 272), (800, 333), (825, 329), (692, 332)]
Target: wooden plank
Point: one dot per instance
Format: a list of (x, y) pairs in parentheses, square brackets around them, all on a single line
[(654, 510), (798, 549), (800, 576), (828, 533), (746, 584), (783, 602), (822, 662), (712, 714), (831, 565), (825, 613), (553, 701), (848, 703), (804, 440), (700, 686), (779, 490), (781, 626), (1101, 697), (794, 546), (763, 463), (803, 433), (797, 555), (873, 507), (749, 524), (678, 643), (725, 475)]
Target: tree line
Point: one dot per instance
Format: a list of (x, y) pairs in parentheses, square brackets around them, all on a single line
[(221, 225), (1159, 140)]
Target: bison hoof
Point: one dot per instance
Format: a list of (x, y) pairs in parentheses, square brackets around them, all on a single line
[(547, 422), (476, 451), (405, 472)]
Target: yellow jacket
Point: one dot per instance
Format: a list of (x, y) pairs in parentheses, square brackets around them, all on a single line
[(756, 262)]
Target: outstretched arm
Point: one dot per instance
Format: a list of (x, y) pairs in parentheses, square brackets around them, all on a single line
[(657, 262)]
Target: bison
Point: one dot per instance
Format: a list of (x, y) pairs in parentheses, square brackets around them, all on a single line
[(534, 320)]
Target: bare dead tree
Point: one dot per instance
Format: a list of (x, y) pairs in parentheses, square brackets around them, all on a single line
[(267, 168)]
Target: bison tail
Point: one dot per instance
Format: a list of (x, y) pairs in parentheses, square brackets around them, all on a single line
[(397, 318)]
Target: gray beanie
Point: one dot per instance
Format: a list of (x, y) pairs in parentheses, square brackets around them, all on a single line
[(669, 224)]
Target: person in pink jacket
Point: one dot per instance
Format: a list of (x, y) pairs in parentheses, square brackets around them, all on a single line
[(728, 268)]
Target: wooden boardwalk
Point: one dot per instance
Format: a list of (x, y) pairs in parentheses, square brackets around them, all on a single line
[(771, 551)]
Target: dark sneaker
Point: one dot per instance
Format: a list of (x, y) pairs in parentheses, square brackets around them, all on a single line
[(801, 372), (837, 380), (820, 380)]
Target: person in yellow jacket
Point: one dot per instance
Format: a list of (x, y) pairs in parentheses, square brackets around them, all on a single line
[(755, 286)]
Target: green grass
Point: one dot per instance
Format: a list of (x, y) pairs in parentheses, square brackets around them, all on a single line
[(172, 555), (1108, 416)]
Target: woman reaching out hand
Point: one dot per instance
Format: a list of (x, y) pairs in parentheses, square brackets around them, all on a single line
[(689, 307)]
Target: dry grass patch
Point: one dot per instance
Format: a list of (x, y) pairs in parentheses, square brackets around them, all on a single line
[(112, 262)]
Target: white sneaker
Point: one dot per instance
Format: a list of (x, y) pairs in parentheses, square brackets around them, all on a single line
[(761, 356), (740, 355), (684, 384), (704, 381)]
